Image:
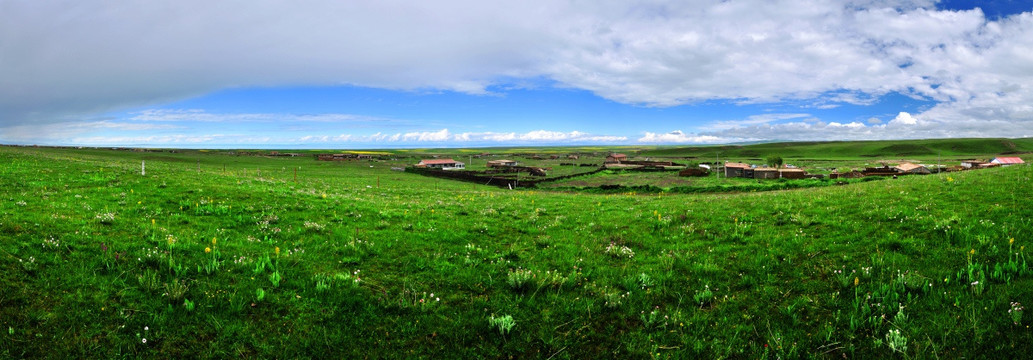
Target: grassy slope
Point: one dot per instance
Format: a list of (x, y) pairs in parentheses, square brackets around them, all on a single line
[(926, 149), (711, 276)]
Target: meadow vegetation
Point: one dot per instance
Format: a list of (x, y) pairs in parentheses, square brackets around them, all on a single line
[(210, 255)]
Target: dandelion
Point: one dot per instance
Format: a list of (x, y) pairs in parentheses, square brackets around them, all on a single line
[(213, 241), (152, 222), (207, 250), (1011, 241), (856, 281), (277, 250), (972, 252)]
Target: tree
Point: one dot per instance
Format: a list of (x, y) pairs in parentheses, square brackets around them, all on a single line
[(775, 161)]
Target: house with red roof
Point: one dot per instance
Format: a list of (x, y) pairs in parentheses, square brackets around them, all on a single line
[(1005, 161), (615, 158)]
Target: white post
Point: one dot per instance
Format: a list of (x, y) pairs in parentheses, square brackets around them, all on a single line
[(143, 167)]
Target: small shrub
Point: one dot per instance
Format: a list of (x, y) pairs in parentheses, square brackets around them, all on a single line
[(704, 296), (149, 280), (1015, 312), (176, 290), (619, 251), (275, 278), (503, 323), (519, 279), (896, 341)]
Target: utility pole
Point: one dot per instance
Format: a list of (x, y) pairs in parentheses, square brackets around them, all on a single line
[(719, 164)]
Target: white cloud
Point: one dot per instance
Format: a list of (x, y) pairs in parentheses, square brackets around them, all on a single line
[(421, 136), (443, 135), (903, 118), (52, 133), (677, 136), (199, 115), (753, 120), (64, 59), (901, 127)]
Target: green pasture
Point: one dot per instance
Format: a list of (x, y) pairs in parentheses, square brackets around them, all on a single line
[(211, 255)]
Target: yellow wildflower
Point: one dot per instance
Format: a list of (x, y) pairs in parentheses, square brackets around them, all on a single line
[(207, 250), (972, 252), (152, 222), (277, 251), (856, 281), (1011, 241), (213, 241)]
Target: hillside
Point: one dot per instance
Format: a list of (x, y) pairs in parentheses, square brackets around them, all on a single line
[(211, 255), (856, 149)]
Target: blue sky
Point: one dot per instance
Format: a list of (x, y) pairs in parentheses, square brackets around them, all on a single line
[(462, 73)]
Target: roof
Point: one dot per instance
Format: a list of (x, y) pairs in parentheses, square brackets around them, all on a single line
[(908, 166), (736, 165), (437, 161), (500, 161), (1008, 160), (764, 169), (791, 170)]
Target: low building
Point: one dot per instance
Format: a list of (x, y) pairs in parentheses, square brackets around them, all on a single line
[(443, 164), (909, 168), (795, 173), (852, 174), (1006, 161), (972, 164), (501, 163), (615, 158), (696, 172), (765, 173), (736, 169), (879, 171)]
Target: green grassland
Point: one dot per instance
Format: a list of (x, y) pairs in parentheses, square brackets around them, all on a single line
[(837, 150), (211, 255)]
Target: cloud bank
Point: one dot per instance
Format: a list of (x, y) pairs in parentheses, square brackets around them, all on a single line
[(65, 60)]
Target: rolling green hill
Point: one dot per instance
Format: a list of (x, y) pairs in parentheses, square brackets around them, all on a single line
[(215, 256), (856, 149)]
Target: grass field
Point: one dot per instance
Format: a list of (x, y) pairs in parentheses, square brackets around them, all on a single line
[(209, 255), (840, 150)]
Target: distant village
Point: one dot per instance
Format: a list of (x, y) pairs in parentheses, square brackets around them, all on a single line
[(615, 160), (729, 169)]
